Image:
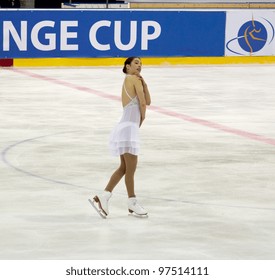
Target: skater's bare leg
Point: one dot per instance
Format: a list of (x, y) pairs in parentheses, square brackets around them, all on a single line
[(117, 175), (133, 205), (100, 202), (131, 164)]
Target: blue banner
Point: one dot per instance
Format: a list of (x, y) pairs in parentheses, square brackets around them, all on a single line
[(111, 33)]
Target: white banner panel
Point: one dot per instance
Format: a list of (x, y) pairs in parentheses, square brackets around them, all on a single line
[(249, 33)]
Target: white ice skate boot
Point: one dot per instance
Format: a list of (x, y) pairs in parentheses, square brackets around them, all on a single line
[(135, 208), (100, 203)]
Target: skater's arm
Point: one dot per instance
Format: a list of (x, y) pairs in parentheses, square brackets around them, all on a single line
[(141, 97), (147, 95), (146, 91)]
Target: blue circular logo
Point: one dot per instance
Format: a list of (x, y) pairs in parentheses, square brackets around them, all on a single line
[(252, 36)]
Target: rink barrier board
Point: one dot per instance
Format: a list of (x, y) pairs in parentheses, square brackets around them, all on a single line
[(113, 33), (230, 49), (147, 61), (7, 62)]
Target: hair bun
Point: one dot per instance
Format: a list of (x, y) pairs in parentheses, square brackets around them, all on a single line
[(128, 61)]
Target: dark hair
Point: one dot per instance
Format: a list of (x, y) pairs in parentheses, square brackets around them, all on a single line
[(128, 61)]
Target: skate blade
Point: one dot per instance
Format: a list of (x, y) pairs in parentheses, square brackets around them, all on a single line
[(133, 214), (100, 213)]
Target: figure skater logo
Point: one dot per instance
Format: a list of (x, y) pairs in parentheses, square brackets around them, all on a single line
[(252, 37)]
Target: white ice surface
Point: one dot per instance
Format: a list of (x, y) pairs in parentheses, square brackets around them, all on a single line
[(205, 172)]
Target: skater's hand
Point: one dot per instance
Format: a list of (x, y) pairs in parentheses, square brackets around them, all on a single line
[(142, 80), (141, 121)]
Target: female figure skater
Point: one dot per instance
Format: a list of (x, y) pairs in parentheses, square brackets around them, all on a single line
[(124, 139)]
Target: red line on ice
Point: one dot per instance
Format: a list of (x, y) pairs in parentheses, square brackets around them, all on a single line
[(163, 111)]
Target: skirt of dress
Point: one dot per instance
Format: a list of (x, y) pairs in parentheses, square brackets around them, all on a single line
[(124, 138)]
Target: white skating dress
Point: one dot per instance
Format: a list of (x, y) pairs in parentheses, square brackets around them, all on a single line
[(124, 137)]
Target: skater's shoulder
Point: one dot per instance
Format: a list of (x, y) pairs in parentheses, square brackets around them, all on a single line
[(132, 78)]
